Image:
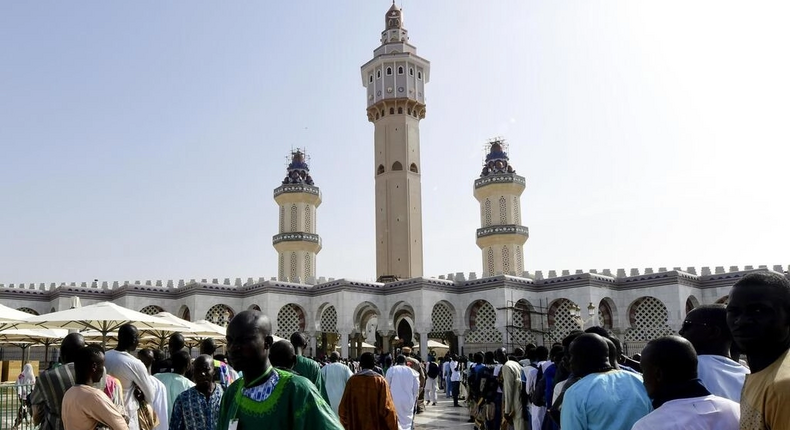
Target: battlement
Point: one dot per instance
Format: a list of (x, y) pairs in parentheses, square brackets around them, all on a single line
[(616, 276)]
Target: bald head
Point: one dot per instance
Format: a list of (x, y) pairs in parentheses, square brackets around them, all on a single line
[(667, 361), (69, 346), (249, 339), (299, 341), (176, 342), (128, 337), (282, 354), (589, 354)]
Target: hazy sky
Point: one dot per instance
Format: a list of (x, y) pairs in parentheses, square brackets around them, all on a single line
[(142, 140)]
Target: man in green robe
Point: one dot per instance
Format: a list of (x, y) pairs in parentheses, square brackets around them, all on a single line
[(266, 397), (307, 367)]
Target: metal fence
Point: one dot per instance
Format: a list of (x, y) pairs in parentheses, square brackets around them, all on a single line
[(14, 414)]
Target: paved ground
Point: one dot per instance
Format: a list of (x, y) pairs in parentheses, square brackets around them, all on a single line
[(443, 416)]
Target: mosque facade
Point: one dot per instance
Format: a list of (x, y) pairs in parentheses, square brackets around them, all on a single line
[(505, 305)]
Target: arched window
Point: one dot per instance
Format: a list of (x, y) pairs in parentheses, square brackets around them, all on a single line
[(400, 110), (370, 78), (411, 71), (380, 170), (419, 75), (413, 168), (392, 111), (400, 70), (409, 111), (378, 74), (397, 166), (389, 71)]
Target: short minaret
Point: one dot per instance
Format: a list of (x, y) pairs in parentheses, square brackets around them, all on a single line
[(395, 81), (297, 243), (501, 237)]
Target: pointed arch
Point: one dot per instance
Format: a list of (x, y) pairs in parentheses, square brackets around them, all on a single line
[(380, 169), (397, 166), (413, 168)]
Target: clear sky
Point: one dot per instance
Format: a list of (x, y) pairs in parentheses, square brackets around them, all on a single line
[(142, 140)]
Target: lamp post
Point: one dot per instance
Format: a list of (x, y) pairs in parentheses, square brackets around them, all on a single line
[(576, 312)]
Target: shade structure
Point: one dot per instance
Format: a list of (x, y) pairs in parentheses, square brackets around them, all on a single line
[(41, 336), (103, 317), (189, 330), (436, 346), (13, 319)]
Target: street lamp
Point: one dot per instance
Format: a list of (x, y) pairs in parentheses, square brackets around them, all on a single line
[(576, 312)]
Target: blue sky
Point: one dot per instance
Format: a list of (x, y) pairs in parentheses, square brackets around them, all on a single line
[(142, 140)]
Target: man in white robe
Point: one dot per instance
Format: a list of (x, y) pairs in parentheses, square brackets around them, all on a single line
[(680, 401), (335, 375), (404, 385), (130, 371), (706, 328)]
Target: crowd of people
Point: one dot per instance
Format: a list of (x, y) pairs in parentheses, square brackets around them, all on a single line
[(692, 381)]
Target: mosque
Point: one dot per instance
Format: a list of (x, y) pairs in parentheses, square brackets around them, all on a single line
[(503, 306)]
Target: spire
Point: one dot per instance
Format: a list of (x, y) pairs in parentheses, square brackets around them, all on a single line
[(394, 17), (298, 170), (497, 161)]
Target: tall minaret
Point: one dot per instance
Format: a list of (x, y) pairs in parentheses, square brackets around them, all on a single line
[(297, 243), (502, 236), (395, 80)]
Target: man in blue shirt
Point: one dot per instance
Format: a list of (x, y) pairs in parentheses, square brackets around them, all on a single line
[(604, 398)]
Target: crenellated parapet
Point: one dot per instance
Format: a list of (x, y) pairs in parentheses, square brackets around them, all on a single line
[(459, 282)]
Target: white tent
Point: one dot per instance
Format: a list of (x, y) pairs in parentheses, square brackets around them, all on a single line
[(13, 319), (103, 317)]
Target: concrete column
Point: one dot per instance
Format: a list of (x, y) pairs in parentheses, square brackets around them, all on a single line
[(424, 345), (313, 341), (344, 344), (385, 341), (359, 346), (461, 351)]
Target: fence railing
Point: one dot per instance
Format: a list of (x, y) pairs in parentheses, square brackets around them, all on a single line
[(14, 414)]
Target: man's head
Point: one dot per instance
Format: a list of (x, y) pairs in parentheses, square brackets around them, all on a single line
[(541, 353), (282, 354), (334, 356), (89, 364), (208, 347), (667, 361), (249, 339), (175, 343), (203, 372), (181, 361), (589, 353), (406, 350), (146, 355), (367, 360), (400, 359), (128, 337), (69, 346), (706, 328), (519, 353), (612, 353), (500, 355), (299, 342), (479, 357), (758, 313)]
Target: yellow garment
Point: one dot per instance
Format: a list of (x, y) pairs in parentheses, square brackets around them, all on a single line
[(511, 392), (766, 396)]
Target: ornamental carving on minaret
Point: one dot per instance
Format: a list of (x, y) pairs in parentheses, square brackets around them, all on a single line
[(497, 161), (298, 170)]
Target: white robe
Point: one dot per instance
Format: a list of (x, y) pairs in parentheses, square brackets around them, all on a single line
[(721, 376), (130, 371), (335, 376), (404, 385), (159, 404)]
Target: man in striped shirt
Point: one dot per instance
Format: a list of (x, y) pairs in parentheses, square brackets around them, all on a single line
[(47, 395)]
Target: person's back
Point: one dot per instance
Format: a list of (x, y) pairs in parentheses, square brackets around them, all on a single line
[(48, 394), (367, 402), (695, 413), (612, 400), (85, 407)]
